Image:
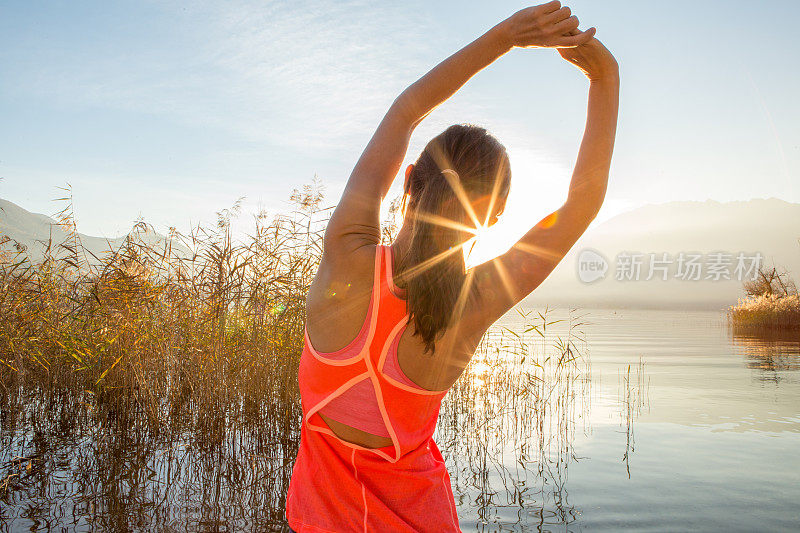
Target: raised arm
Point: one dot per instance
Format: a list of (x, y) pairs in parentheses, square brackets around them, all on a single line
[(513, 275), (356, 219)]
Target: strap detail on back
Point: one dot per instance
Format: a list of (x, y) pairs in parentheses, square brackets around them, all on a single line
[(345, 387), (354, 388)]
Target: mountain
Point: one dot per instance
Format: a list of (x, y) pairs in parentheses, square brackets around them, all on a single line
[(770, 227), (34, 230)]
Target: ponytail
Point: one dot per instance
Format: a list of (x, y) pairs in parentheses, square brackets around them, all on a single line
[(432, 268)]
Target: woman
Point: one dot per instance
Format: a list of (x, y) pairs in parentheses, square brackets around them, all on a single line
[(390, 328)]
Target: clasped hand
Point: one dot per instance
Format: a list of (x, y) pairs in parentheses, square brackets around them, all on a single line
[(552, 25)]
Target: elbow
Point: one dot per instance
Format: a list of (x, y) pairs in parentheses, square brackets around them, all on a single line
[(593, 209), (588, 196), (584, 209), (403, 109)]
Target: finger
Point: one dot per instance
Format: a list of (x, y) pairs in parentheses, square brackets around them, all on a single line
[(566, 25), (558, 15), (571, 41), (549, 7)]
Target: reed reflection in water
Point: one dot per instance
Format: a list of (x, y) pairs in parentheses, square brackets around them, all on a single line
[(602, 419), (89, 462)]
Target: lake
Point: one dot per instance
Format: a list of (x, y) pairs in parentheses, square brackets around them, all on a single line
[(647, 420), (702, 435)]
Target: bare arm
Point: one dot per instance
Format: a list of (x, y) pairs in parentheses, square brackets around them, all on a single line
[(355, 222), (513, 275)]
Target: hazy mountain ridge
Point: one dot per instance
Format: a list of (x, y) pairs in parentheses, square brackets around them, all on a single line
[(769, 226), (34, 230), (684, 213)]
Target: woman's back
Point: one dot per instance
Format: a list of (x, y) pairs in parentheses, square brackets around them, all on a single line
[(338, 309), (337, 306), (340, 484)]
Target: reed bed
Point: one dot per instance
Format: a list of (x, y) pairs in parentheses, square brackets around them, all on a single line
[(197, 316), (157, 373), (767, 312), (156, 387)]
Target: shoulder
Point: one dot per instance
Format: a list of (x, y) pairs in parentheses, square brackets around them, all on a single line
[(343, 276), (347, 260)]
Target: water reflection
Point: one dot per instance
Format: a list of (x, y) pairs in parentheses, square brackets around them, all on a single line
[(536, 435), (105, 468), (509, 453), (772, 352)]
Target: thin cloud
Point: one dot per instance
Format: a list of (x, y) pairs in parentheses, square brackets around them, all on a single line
[(284, 73)]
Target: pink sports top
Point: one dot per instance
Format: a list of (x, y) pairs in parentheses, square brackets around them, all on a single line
[(358, 406), (338, 485)]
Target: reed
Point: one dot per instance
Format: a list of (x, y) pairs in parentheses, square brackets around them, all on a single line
[(523, 398), (201, 312), (157, 385), (634, 398), (771, 305), (766, 313)]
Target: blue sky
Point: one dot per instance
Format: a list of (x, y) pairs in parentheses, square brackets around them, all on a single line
[(172, 111)]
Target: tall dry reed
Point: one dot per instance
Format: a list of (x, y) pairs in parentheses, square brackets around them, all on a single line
[(766, 313), (159, 381), (200, 315)]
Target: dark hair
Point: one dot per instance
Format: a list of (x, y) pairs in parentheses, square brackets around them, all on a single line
[(464, 157)]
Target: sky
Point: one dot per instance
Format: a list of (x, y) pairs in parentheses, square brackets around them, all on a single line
[(172, 111)]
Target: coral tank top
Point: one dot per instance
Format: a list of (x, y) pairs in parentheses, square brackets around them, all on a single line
[(339, 486)]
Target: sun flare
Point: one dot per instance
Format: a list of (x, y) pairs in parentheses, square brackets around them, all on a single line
[(488, 243)]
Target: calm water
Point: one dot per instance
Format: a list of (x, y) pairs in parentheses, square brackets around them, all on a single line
[(665, 422), (704, 434)]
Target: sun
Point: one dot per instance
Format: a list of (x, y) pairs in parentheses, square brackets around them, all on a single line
[(488, 243), (539, 182)]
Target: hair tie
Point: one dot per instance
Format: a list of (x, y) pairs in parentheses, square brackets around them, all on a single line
[(451, 173)]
